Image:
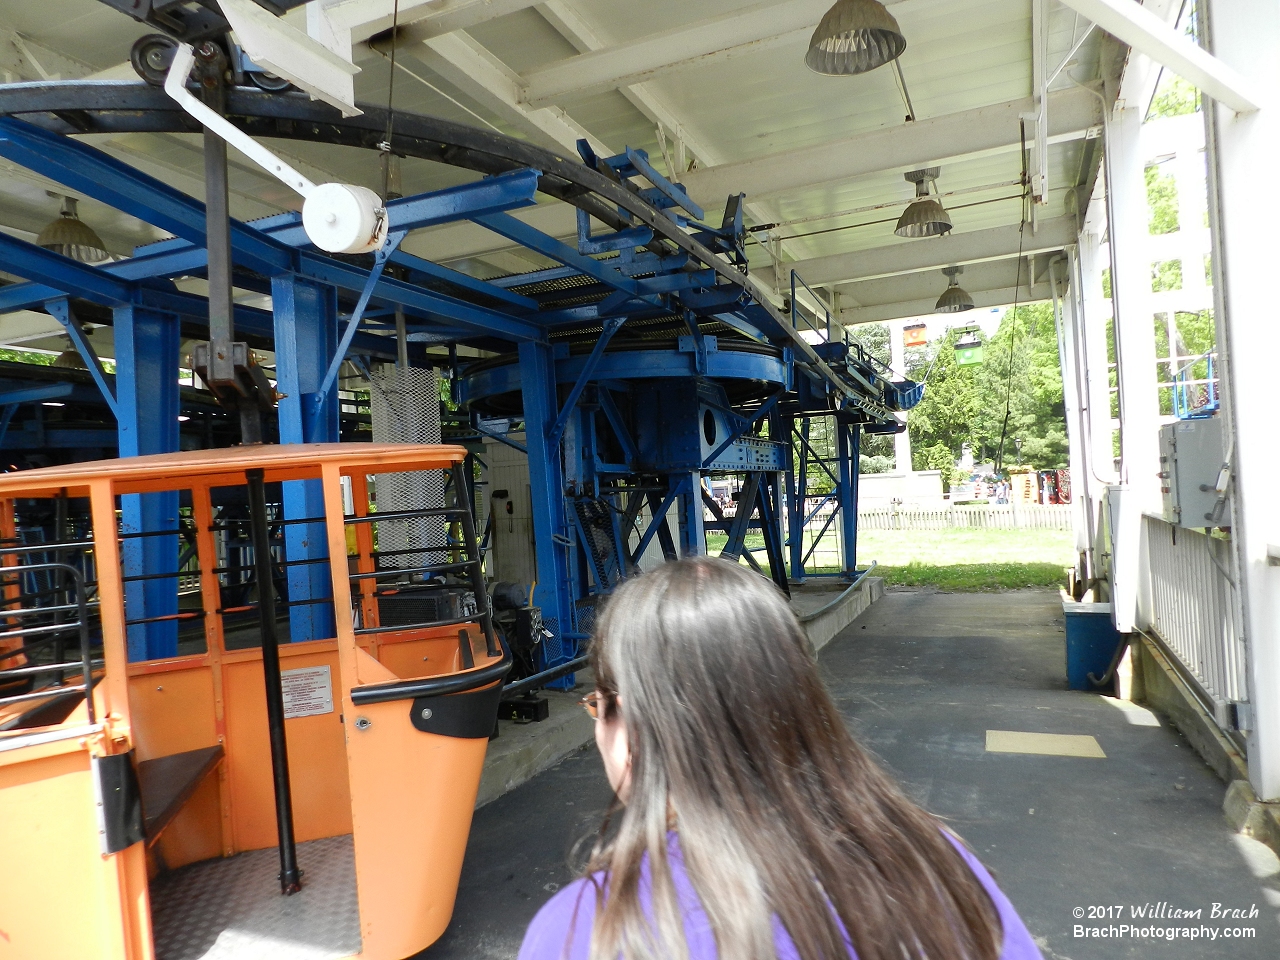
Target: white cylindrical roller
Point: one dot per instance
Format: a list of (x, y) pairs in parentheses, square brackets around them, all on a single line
[(341, 218)]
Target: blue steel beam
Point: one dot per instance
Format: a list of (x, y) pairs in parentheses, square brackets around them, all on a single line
[(48, 391), (56, 277), (93, 173), (178, 257), (657, 521), (306, 320), (61, 275), (505, 225), (546, 486), (147, 390)]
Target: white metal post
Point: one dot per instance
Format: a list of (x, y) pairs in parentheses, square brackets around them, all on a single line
[(1095, 311), (1245, 34), (1065, 315), (898, 360), (1136, 358)]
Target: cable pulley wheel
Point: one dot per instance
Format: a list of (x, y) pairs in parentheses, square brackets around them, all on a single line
[(152, 56)]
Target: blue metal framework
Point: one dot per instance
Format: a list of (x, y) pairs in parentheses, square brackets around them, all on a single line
[(641, 360)]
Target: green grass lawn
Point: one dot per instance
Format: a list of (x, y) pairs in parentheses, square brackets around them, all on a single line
[(955, 560)]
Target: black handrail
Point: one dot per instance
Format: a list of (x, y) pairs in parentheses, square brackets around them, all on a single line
[(400, 571), (86, 658), (411, 514), (546, 676), (434, 686)]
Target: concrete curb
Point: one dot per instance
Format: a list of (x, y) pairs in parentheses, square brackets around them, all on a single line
[(1161, 688), (1251, 817), (821, 627), (524, 750)]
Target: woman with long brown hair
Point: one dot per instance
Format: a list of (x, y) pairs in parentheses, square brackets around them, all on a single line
[(750, 824)]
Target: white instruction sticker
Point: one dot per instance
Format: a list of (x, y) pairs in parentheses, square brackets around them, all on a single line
[(308, 692)]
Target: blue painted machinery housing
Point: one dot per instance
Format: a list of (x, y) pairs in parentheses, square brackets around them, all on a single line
[(641, 361)]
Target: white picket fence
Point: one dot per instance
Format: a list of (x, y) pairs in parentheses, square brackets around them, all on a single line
[(1011, 516)]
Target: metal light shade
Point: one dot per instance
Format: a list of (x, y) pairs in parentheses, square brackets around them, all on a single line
[(854, 37), (954, 299), (923, 218), (70, 359), (72, 237)]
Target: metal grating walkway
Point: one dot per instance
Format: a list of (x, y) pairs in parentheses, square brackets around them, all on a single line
[(232, 909)]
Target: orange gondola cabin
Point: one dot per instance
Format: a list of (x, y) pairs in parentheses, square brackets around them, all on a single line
[(293, 774)]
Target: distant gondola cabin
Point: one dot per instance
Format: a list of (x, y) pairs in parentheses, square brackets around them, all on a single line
[(969, 349)]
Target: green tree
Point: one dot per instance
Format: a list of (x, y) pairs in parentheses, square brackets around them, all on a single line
[(1162, 201), (1020, 371), (1174, 97), (939, 457), (946, 413), (27, 356), (1166, 275)]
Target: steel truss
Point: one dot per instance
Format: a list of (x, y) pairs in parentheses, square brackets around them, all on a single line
[(641, 361)]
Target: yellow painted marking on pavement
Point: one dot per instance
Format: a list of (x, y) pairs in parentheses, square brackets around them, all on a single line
[(1046, 744)]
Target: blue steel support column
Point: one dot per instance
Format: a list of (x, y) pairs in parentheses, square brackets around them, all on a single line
[(306, 336), (795, 505), (546, 488), (147, 399), (848, 442), (693, 537)]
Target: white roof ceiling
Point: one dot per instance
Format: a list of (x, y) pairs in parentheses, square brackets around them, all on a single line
[(724, 78)]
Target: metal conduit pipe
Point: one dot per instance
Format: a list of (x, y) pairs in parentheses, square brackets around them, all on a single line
[(806, 618)]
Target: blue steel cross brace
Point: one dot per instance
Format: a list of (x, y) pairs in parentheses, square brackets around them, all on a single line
[(60, 310), (316, 400), (610, 328)]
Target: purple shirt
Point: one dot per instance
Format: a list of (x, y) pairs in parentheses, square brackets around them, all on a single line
[(572, 912)]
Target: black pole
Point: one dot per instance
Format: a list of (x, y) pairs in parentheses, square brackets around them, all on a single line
[(290, 876), (464, 500)]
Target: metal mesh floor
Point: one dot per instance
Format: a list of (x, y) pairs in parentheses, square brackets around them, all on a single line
[(232, 909)]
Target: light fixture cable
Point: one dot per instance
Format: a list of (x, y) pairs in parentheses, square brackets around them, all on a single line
[(385, 146), (902, 88), (1017, 295)]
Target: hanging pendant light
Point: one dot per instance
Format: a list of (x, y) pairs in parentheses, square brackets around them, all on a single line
[(954, 299), (72, 237), (855, 36), (70, 358), (925, 217)]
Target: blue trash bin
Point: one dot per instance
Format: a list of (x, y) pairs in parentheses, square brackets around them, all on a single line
[(1091, 642)]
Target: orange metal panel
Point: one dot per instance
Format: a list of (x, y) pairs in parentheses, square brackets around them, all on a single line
[(425, 657), (48, 827), (111, 595), (210, 601), (317, 757), (412, 794), (196, 832), (11, 588), (173, 711)]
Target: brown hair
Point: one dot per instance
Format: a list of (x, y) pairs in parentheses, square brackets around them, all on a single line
[(779, 811)]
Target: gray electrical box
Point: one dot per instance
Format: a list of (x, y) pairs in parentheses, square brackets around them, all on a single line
[(1191, 454)]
